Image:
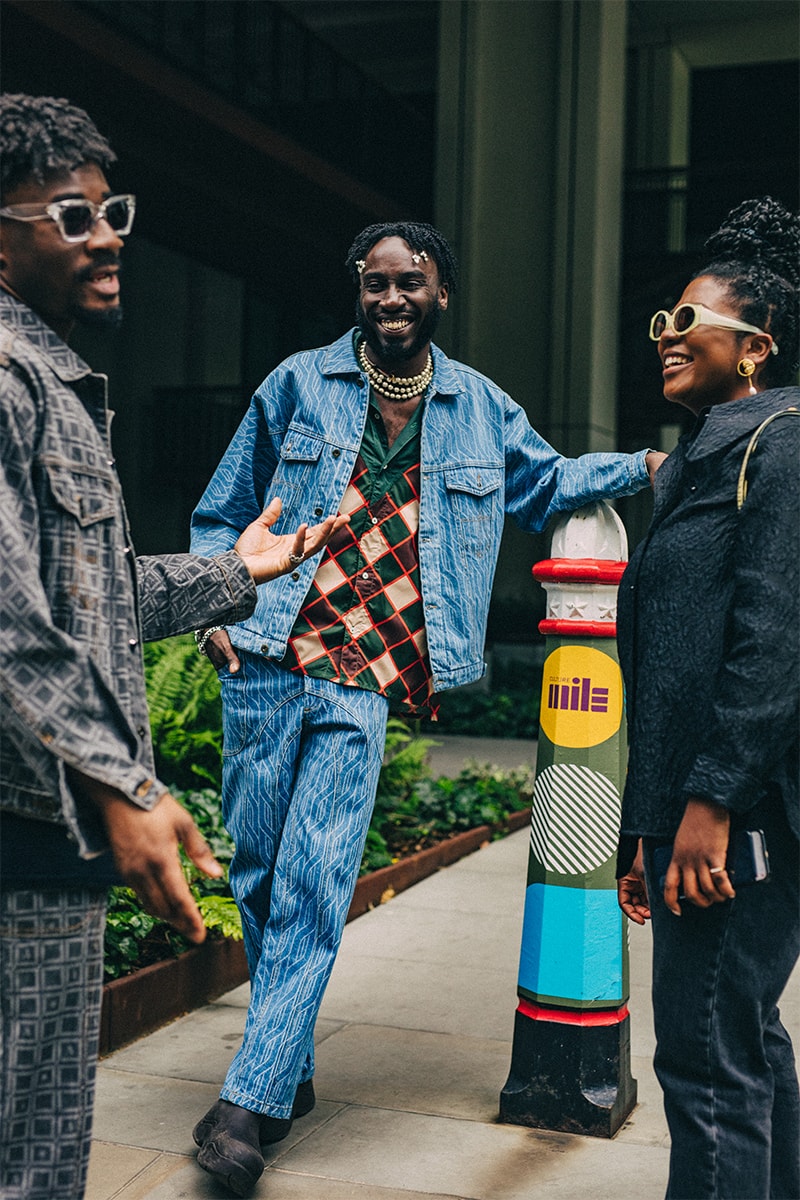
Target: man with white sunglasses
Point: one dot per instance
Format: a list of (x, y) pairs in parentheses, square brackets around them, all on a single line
[(77, 777)]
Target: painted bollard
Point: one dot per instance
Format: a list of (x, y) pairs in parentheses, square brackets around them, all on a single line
[(570, 1064)]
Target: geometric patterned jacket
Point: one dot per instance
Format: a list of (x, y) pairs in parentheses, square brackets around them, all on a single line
[(76, 601)]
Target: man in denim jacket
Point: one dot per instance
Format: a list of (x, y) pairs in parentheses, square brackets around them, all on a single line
[(76, 762), (425, 456)]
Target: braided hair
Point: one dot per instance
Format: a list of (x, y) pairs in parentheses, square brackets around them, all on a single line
[(41, 135), (418, 236), (756, 254)]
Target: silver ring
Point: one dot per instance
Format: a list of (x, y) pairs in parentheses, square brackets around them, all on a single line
[(295, 559), (715, 870)]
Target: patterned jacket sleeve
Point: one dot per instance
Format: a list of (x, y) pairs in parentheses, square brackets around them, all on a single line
[(179, 592)]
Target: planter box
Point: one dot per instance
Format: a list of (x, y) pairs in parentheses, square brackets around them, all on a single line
[(388, 881), (139, 1003), (144, 1001)]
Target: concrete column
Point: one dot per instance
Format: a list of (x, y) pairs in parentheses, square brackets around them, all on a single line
[(529, 180), (587, 225)]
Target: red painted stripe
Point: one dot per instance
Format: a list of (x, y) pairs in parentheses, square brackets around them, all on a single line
[(569, 1016), (580, 570), (561, 625)]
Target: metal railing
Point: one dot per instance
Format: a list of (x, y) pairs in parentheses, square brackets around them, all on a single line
[(259, 57)]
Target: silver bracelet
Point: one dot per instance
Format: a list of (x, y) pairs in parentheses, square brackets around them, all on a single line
[(201, 636)]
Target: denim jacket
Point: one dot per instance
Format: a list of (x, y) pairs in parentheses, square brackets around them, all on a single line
[(480, 459), (76, 602)]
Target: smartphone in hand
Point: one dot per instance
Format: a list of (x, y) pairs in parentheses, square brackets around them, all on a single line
[(747, 862)]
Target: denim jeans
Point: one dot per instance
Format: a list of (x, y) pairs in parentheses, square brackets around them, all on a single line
[(51, 985), (723, 1058), (301, 766)]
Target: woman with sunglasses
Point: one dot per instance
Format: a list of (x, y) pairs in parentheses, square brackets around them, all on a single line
[(708, 635)]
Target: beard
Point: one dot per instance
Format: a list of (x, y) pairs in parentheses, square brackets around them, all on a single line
[(101, 319), (392, 352)]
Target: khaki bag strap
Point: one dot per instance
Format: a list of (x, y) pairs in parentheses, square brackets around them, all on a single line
[(741, 487)]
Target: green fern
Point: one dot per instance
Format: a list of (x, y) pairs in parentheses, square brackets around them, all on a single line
[(185, 713), (220, 912)]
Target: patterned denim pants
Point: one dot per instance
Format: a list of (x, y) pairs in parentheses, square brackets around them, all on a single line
[(51, 987), (302, 759)]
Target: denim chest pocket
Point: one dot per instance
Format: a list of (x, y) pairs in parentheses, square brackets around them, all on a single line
[(474, 496), (88, 496), (299, 454)]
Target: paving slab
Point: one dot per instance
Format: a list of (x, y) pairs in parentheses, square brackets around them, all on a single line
[(473, 1159), (413, 1047), (440, 1074)]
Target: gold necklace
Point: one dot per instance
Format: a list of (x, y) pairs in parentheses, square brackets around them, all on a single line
[(395, 387)]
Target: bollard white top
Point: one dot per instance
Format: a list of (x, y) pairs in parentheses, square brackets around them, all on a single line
[(594, 531)]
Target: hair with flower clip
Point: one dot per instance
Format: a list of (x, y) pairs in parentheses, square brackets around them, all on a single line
[(423, 240)]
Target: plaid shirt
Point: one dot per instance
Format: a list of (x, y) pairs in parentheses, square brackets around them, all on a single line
[(362, 623), (76, 601)]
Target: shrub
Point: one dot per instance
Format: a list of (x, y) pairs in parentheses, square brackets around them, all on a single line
[(412, 810)]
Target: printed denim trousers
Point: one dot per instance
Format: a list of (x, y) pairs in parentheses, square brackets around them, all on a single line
[(301, 765), (723, 1058)]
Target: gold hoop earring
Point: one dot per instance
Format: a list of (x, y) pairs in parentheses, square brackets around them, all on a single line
[(746, 368)]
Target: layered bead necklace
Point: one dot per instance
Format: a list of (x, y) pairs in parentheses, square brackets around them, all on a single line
[(395, 387)]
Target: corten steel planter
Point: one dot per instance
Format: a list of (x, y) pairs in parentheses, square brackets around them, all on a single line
[(142, 1002)]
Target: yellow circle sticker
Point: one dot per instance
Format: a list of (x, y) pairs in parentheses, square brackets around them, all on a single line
[(581, 696)]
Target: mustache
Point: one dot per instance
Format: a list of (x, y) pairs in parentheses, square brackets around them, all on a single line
[(103, 258)]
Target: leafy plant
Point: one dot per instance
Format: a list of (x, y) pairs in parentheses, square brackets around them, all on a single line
[(510, 713), (412, 810), (185, 713)]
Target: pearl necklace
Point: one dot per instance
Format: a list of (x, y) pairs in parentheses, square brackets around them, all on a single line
[(395, 387)]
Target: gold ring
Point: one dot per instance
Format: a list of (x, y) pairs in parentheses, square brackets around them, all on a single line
[(715, 870)]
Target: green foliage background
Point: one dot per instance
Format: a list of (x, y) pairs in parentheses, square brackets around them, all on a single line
[(412, 810)]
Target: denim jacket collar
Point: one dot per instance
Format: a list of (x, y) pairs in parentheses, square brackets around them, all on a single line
[(24, 322)]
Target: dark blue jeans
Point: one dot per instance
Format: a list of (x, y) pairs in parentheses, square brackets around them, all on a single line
[(723, 1058)]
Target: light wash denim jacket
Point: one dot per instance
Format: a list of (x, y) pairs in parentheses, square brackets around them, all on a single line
[(76, 600), (480, 459)]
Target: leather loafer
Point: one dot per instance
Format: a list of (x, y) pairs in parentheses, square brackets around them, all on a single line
[(228, 1137), (271, 1129), (275, 1129)]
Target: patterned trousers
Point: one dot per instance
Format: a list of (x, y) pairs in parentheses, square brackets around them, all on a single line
[(51, 981), (302, 759)]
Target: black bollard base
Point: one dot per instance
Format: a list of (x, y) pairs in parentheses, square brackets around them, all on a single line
[(575, 1078)]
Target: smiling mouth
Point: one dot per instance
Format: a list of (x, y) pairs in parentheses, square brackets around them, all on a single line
[(105, 281), (675, 360), (394, 325)]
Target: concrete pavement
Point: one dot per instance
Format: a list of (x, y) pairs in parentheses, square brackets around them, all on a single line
[(413, 1047)]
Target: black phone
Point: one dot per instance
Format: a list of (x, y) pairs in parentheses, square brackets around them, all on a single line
[(747, 862)]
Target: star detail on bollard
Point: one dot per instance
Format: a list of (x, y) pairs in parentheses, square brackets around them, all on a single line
[(575, 609), (606, 612)]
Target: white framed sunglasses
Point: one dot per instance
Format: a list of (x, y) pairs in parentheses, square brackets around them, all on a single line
[(76, 218), (687, 316)]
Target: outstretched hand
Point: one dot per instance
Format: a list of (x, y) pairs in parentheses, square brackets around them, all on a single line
[(268, 555)]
